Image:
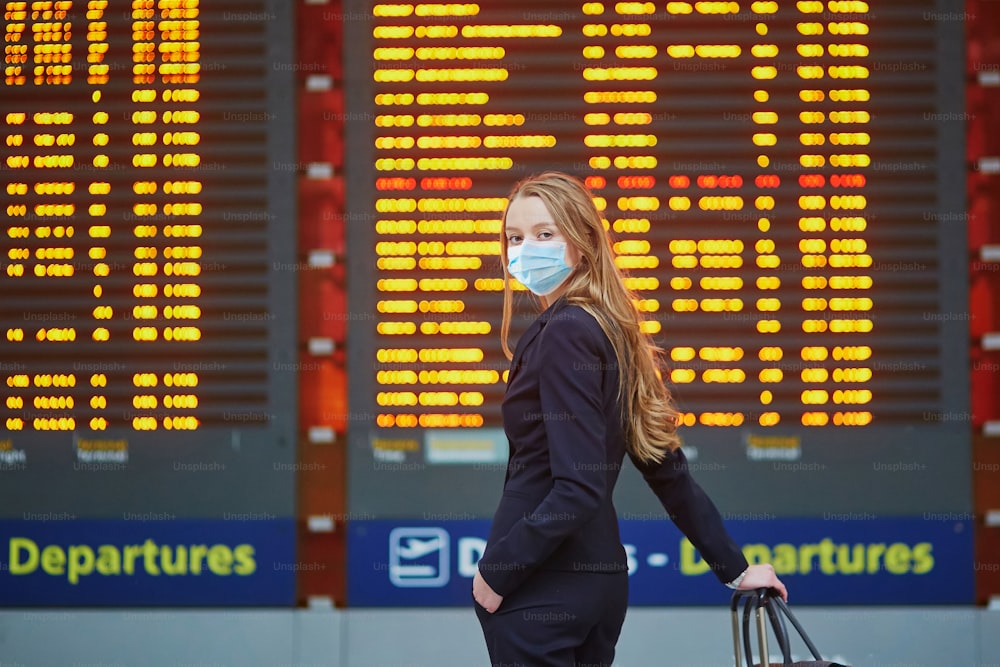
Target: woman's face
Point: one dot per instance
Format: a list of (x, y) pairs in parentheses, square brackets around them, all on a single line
[(528, 218)]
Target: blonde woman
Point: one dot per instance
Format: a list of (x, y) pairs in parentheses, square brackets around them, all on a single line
[(584, 390)]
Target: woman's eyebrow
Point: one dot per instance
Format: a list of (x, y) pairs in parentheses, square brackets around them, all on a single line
[(544, 223)]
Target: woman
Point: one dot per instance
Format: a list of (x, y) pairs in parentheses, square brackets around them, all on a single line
[(552, 585)]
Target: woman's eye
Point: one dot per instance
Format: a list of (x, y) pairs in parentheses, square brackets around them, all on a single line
[(545, 235), (514, 239)]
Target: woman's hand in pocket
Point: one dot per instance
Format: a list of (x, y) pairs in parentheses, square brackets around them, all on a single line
[(485, 596)]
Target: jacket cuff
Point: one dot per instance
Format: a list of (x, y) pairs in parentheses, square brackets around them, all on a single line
[(735, 583)]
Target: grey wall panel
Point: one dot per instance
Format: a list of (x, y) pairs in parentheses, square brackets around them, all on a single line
[(696, 637), (988, 638), (140, 638), (318, 638), (414, 638)]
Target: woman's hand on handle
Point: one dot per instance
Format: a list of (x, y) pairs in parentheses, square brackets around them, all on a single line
[(762, 576)]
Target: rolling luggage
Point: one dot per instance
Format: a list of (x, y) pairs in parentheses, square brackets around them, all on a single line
[(763, 601)]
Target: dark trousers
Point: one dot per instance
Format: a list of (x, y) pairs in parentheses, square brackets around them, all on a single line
[(558, 619)]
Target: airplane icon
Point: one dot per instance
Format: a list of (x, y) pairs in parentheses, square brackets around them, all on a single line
[(416, 548), (419, 557)]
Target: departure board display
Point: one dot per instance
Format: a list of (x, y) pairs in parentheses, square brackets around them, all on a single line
[(781, 179), (147, 191)]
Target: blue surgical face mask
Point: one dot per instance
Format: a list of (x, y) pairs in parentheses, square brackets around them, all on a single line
[(539, 266)]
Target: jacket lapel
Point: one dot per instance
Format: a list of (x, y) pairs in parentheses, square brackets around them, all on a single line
[(530, 335)]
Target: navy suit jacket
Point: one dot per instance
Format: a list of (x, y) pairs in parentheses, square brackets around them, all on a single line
[(561, 415)]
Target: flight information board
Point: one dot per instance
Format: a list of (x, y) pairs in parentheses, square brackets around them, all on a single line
[(147, 319), (784, 185)]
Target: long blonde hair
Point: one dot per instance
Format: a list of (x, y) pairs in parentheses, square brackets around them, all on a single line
[(649, 417)]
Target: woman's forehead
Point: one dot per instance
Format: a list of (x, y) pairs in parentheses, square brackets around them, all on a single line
[(528, 210)]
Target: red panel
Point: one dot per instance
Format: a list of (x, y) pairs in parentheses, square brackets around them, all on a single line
[(987, 564), (983, 132), (982, 304), (321, 139), (983, 210), (321, 472), (985, 380), (984, 24), (986, 475), (990, 109)]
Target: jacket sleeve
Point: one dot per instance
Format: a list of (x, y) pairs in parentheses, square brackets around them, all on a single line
[(694, 513), (572, 364)]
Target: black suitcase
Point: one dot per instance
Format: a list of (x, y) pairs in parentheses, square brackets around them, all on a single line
[(767, 601)]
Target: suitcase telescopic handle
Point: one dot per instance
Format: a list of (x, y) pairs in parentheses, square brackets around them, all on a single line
[(759, 605), (764, 600), (756, 600)]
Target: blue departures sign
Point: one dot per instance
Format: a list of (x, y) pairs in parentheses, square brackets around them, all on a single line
[(175, 562), (839, 559)]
